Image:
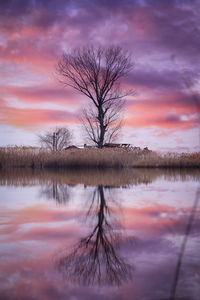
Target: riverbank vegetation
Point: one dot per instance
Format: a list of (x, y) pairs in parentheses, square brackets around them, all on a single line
[(29, 157)]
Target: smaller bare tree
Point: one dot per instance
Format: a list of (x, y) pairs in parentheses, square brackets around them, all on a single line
[(56, 139)]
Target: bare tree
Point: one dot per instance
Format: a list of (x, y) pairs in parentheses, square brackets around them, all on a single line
[(56, 139), (96, 73)]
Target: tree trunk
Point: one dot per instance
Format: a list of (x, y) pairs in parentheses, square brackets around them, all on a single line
[(101, 127)]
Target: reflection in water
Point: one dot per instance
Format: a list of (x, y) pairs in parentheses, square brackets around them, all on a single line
[(161, 214), (177, 273), (183, 246), (56, 191), (93, 177), (94, 260)]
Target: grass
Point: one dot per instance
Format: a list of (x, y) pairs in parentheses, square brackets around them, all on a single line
[(94, 158)]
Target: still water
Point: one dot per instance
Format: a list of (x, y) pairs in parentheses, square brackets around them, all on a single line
[(130, 234)]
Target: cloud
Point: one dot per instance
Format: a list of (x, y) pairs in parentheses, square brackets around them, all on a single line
[(162, 37), (156, 79), (168, 29), (173, 110), (27, 117), (54, 93)]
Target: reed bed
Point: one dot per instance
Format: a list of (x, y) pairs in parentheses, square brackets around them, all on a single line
[(94, 158)]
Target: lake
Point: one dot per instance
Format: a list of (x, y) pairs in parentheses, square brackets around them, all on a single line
[(106, 234)]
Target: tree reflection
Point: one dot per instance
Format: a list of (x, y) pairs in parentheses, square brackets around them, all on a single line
[(56, 191), (95, 259)]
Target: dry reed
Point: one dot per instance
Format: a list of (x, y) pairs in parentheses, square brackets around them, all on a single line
[(94, 158)]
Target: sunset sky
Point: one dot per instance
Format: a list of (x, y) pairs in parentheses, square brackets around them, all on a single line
[(163, 37)]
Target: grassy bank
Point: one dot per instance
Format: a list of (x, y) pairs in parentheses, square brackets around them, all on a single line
[(94, 158)]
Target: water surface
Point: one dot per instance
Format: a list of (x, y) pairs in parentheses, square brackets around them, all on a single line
[(130, 234)]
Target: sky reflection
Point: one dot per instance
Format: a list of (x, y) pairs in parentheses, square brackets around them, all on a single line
[(145, 226)]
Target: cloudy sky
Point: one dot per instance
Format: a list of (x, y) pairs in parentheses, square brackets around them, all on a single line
[(163, 37)]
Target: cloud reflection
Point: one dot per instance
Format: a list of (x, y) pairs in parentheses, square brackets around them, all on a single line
[(34, 230)]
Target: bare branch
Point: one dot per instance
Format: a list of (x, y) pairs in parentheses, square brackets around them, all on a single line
[(57, 139), (96, 73)]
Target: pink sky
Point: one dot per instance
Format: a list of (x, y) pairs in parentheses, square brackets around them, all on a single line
[(163, 37)]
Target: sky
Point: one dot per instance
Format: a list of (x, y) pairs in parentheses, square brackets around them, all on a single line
[(163, 38)]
